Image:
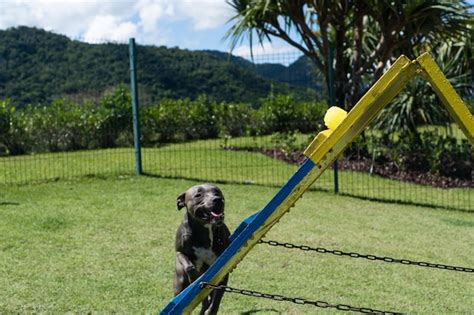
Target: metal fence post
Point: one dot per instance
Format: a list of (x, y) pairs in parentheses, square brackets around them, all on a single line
[(332, 101), (135, 109)]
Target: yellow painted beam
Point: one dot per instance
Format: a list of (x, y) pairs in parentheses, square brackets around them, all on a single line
[(324, 151), (447, 94)]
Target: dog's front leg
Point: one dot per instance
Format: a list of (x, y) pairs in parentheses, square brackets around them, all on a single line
[(186, 272), (210, 306)]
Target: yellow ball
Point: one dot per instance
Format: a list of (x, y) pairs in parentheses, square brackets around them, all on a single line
[(334, 116)]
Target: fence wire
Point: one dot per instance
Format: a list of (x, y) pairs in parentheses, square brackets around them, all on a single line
[(253, 135)]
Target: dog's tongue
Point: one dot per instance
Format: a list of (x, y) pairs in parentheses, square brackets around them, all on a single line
[(217, 215)]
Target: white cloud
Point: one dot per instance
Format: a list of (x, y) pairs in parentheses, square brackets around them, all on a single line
[(72, 18), (111, 28), (151, 15), (150, 21), (205, 14), (150, 12)]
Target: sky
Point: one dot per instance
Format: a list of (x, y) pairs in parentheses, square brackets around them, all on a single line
[(188, 24)]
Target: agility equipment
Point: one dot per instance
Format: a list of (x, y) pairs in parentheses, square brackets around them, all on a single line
[(323, 150)]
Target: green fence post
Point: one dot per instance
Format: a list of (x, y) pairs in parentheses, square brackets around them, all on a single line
[(135, 110), (332, 103)]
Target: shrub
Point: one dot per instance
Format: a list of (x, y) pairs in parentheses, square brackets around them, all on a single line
[(235, 119), (114, 118), (8, 137), (285, 141), (164, 122), (6, 112), (436, 153), (179, 120), (456, 159), (281, 113), (427, 151), (310, 116), (64, 125), (277, 113), (60, 126), (199, 119)]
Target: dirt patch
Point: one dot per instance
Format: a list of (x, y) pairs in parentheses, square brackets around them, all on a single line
[(387, 170)]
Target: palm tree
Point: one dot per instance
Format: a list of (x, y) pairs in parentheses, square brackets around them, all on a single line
[(417, 104), (365, 35)]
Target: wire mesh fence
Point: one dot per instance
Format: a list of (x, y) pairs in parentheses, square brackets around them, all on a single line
[(209, 116)]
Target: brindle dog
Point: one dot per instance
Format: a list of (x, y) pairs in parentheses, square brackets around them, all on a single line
[(200, 239)]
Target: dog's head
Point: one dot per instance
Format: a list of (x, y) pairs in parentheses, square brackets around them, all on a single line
[(204, 202)]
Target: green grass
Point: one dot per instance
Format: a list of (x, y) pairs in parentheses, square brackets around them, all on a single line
[(106, 245), (454, 130), (206, 160)]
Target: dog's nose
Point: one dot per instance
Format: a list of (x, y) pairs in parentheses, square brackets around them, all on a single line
[(218, 202)]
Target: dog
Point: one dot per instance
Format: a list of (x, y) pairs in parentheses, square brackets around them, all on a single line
[(200, 239)]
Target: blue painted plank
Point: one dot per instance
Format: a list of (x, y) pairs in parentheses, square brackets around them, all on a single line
[(242, 234)]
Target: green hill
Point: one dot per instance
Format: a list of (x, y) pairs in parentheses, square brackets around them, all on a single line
[(300, 73), (37, 66)]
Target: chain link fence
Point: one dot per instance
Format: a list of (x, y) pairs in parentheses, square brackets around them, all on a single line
[(209, 116)]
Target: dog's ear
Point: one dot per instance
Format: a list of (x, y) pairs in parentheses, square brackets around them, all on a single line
[(180, 201)]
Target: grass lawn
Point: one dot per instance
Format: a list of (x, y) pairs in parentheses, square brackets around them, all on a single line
[(105, 245)]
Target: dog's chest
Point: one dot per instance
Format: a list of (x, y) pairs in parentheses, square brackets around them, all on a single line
[(205, 256)]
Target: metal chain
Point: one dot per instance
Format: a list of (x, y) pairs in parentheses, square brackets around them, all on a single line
[(369, 257), (296, 300)]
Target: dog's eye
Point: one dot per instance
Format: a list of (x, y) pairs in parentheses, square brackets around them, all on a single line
[(198, 195)]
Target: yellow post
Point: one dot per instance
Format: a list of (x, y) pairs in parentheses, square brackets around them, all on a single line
[(448, 96)]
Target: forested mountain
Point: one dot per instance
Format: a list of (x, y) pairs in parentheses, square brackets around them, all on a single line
[(299, 73), (37, 66)]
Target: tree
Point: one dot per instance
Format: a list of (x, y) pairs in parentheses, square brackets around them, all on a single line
[(365, 35), (417, 104)]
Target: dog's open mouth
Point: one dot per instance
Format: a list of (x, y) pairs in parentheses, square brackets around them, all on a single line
[(214, 216), (217, 216)]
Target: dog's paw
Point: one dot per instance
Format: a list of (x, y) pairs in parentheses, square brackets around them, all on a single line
[(192, 274)]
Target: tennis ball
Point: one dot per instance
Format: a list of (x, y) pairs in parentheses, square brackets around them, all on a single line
[(334, 116)]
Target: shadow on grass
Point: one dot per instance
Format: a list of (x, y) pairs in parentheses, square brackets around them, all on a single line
[(7, 203), (261, 310), (408, 203)]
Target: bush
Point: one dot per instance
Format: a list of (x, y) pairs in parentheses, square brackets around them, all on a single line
[(235, 119), (163, 123), (199, 119), (179, 120), (114, 119), (8, 138), (286, 142), (426, 151), (430, 151), (6, 113), (456, 160), (310, 116), (281, 113), (185, 119), (64, 125)]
